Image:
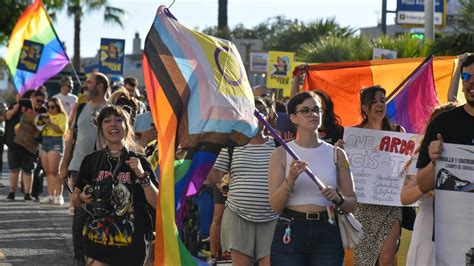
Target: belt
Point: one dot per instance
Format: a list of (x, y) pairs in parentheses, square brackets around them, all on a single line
[(315, 216)]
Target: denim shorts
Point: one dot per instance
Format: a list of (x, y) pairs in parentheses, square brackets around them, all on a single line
[(52, 144), (313, 241)]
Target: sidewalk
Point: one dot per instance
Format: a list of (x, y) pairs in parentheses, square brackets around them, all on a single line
[(33, 234)]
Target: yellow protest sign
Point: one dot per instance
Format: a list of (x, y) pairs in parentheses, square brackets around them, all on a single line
[(279, 71)]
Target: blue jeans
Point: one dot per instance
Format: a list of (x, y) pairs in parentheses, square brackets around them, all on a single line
[(206, 210), (313, 242)]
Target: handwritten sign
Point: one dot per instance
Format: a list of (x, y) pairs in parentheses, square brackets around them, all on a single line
[(454, 205), (30, 56), (377, 159), (111, 56)]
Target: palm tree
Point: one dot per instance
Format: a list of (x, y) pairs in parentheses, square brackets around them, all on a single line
[(222, 15), (222, 27), (78, 8)]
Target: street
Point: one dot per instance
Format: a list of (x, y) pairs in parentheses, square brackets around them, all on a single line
[(33, 234)]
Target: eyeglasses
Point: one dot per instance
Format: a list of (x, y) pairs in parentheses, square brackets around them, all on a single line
[(306, 112), (39, 101), (51, 106), (262, 109), (466, 76)]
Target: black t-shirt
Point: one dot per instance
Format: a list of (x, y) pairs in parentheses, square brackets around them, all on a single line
[(10, 127), (117, 234), (455, 126), (331, 136)]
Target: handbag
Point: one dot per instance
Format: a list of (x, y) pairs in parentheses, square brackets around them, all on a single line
[(408, 217), (350, 228)]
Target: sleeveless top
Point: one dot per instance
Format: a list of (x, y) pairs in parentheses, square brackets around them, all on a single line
[(321, 163)]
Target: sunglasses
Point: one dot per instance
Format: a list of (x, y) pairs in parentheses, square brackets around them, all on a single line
[(306, 112), (466, 76)]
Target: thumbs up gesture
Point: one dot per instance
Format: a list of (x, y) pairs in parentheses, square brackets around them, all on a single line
[(435, 148)]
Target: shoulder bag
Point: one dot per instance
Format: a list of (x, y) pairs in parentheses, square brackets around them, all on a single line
[(350, 228)]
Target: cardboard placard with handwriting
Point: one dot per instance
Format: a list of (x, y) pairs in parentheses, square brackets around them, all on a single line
[(377, 159)]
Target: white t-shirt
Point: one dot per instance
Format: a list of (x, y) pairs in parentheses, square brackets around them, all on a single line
[(68, 101)]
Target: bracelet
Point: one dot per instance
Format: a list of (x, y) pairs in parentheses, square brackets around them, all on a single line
[(342, 198), (144, 181)]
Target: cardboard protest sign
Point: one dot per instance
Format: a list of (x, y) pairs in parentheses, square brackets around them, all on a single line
[(377, 159), (454, 211)]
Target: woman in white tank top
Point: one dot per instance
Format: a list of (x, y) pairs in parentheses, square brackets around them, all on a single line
[(304, 235)]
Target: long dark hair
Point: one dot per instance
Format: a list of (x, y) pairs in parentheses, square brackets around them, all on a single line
[(118, 111), (331, 121), (58, 104), (367, 96), (299, 99)]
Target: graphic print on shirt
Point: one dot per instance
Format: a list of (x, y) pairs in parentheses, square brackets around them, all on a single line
[(114, 222)]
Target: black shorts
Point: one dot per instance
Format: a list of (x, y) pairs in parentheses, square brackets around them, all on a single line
[(20, 158), (217, 195)]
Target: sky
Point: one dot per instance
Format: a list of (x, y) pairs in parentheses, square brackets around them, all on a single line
[(200, 14)]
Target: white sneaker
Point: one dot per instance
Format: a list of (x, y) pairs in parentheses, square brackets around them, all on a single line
[(58, 200), (47, 200)]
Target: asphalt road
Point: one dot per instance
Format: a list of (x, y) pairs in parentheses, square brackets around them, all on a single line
[(33, 234)]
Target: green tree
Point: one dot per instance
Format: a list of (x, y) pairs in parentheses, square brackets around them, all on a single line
[(462, 40), (77, 10), (10, 11), (340, 49), (453, 44), (292, 36), (465, 19)]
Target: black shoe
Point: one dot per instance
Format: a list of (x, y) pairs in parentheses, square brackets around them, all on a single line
[(28, 197), (11, 196), (36, 199)]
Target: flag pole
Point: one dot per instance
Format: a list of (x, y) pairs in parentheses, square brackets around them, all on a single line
[(272, 131), (429, 57), (62, 46)]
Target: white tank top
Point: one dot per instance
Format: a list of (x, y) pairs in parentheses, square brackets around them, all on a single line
[(321, 163)]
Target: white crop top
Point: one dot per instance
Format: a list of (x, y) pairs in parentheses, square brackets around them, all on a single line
[(321, 163)]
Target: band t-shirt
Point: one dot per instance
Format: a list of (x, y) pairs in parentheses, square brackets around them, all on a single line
[(455, 126), (116, 225)]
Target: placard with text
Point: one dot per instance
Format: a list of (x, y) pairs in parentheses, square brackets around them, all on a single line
[(454, 201), (112, 53), (377, 159)]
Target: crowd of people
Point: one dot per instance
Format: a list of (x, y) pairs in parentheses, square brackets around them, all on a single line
[(258, 204)]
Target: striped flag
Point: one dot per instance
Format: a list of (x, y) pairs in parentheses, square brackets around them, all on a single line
[(35, 53), (414, 103), (201, 101), (343, 81)]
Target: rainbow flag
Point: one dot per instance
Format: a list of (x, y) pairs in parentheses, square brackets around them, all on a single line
[(35, 53), (201, 101), (344, 80), (413, 105)]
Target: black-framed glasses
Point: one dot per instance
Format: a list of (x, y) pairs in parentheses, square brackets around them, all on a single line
[(51, 106), (466, 76), (262, 109), (306, 111), (39, 101)]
